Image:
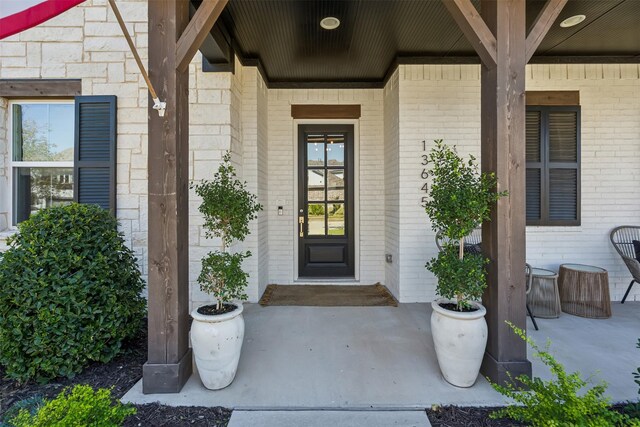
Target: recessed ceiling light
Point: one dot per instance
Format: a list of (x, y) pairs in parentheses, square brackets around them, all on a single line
[(330, 23), (573, 20)]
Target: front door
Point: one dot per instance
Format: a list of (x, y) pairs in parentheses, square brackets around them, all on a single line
[(325, 201)]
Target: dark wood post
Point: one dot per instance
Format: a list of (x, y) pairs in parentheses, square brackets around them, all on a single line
[(499, 36), (169, 363), (503, 153)]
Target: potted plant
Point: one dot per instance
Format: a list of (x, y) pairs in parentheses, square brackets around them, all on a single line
[(460, 198), (217, 330)]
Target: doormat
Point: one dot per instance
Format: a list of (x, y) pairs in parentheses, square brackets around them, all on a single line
[(328, 296)]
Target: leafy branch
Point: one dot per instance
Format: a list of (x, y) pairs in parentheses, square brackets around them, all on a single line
[(227, 207), (460, 199), (560, 401)]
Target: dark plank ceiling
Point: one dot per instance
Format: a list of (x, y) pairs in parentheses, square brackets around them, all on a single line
[(284, 38)]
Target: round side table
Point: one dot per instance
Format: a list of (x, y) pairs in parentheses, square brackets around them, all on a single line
[(584, 291), (544, 299)]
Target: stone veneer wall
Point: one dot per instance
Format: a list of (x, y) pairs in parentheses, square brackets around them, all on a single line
[(86, 43)]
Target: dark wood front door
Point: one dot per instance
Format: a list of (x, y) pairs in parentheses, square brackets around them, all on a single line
[(325, 201)]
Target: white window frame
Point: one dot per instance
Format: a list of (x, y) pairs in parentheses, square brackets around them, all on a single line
[(11, 196)]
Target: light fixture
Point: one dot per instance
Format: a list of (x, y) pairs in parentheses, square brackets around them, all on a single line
[(572, 21), (330, 23)]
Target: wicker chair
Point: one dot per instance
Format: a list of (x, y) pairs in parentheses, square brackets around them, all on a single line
[(529, 275), (475, 238), (622, 240)]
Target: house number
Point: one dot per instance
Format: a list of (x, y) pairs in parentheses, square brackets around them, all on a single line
[(424, 175)]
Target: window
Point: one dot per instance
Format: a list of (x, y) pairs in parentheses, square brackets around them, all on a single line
[(553, 165), (42, 151)]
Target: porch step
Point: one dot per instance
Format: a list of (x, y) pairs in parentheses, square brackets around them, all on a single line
[(329, 418)]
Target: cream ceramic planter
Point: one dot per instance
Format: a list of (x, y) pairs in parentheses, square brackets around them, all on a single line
[(460, 340), (216, 342)]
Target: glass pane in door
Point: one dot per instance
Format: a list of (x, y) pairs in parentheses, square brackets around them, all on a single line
[(336, 219), (315, 185), (335, 150), (316, 219), (335, 185), (315, 153)]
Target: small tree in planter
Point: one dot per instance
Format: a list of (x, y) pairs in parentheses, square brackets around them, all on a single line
[(218, 329), (460, 198)]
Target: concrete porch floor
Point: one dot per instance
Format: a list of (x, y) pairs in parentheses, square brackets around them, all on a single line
[(383, 358)]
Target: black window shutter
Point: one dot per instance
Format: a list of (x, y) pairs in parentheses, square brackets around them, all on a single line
[(553, 165), (94, 168), (563, 166), (534, 166)]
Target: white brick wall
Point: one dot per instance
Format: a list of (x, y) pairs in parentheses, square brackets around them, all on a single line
[(610, 110), (392, 183), (282, 164), (444, 102), (263, 182)]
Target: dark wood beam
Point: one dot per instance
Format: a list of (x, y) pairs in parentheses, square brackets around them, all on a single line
[(503, 153), (38, 88), (553, 97), (542, 24), (474, 29), (312, 111), (197, 30), (169, 361)]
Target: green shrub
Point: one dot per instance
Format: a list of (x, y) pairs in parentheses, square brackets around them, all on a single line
[(558, 402), (81, 407), (460, 198), (227, 207), (451, 270), (69, 293)]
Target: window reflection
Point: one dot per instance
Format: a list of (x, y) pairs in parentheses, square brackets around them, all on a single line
[(335, 219), (38, 188), (43, 132), (316, 213), (315, 184), (335, 185)]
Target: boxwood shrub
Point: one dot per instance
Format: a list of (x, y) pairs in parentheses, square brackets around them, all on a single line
[(81, 406), (70, 293)]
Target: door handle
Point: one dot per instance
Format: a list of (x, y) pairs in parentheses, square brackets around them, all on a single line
[(301, 225)]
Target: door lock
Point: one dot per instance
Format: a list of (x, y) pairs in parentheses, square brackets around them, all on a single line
[(301, 225)]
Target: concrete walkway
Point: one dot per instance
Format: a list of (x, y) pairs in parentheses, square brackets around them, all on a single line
[(383, 358), (329, 418)]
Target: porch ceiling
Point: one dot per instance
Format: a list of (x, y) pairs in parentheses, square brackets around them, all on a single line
[(284, 38)]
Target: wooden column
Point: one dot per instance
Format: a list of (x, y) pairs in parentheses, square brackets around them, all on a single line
[(503, 153), (498, 33), (169, 362)]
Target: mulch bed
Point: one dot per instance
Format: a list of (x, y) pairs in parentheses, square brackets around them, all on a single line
[(456, 416), (121, 374)]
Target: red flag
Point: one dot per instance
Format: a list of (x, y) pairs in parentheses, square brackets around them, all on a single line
[(18, 15)]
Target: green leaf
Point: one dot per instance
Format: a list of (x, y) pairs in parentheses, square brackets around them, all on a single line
[(227, 208), (66, 263), (460, 199)]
